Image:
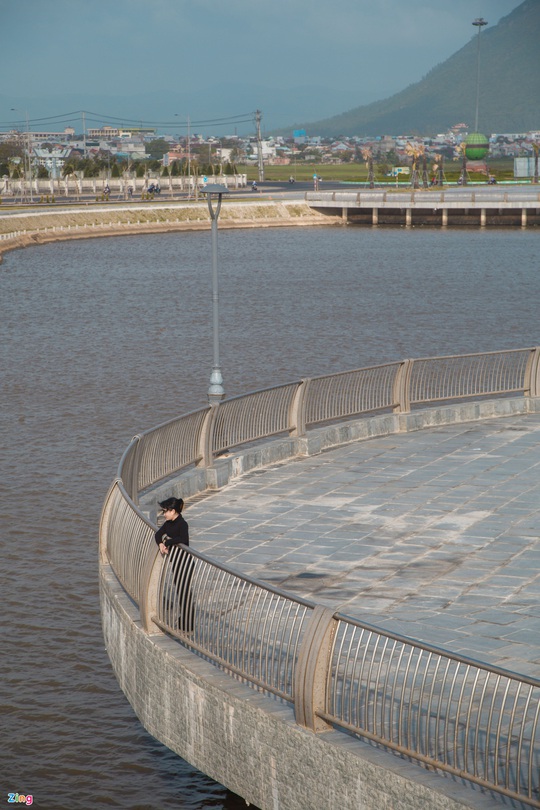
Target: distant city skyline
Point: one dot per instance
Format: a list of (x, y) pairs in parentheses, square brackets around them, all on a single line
[(177, 58)]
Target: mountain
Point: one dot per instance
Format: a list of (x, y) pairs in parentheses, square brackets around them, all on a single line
[(509, 88)]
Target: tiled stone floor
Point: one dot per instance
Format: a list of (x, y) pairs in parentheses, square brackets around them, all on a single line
[(433, 534)]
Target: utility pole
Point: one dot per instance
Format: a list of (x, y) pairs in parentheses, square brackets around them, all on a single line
[(27, 161), (258, 116), (84, 133), (29, 147), (189, 156)]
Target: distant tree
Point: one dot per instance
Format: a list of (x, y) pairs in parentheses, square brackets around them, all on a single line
[(69, 168), (42, 172), (237, 154), (11, 148), (90, 166), (447, 152), (175, 169), (115, 170), (140, 171), (391, 157), (157, 148)]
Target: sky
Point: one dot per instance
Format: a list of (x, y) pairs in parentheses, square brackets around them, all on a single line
[(209, 59)]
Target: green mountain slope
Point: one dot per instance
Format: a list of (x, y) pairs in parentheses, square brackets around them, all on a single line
[(509, 88)]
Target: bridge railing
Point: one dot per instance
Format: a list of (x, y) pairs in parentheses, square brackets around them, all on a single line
[(527, 197), (456, 714)]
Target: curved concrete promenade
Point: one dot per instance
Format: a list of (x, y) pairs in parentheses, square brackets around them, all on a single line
[(429, 532)]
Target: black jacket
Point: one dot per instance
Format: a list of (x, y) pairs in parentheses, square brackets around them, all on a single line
[(176, 531)]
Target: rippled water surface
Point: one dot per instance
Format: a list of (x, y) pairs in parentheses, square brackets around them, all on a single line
[(101, 339)]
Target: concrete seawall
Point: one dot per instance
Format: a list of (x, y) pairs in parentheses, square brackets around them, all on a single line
[(36, 227)]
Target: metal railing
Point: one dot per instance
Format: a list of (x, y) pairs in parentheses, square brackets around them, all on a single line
[(251, 629), (476, 721), (198, 437), (454, 197), (447, 711), (444, 378)]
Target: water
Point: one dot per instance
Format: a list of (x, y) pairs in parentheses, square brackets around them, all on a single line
[(104, 338)]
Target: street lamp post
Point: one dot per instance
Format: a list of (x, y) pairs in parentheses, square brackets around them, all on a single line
[(215, 390), (479, 23)]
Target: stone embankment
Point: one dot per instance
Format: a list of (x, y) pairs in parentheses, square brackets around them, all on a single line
[(37, 226)]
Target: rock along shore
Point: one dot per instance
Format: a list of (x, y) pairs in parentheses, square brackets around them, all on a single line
[(38, 226)]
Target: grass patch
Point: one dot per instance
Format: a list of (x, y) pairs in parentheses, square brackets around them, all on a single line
[(501, 168)]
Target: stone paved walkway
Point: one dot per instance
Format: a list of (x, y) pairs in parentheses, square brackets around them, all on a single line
[(434, 534)]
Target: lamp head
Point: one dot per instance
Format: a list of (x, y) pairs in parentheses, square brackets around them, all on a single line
[(215, 188)]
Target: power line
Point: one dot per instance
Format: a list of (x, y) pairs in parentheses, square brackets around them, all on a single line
[(233, 120)]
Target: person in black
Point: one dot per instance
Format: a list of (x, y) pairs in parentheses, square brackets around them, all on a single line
[(173, 532)]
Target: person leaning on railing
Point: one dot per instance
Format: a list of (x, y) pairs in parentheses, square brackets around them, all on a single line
[(173, 532)]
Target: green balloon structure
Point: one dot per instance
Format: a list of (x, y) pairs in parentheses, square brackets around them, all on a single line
[(476, 146)]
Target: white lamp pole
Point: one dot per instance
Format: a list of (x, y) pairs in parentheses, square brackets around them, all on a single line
[(215, 390), (479, 23)]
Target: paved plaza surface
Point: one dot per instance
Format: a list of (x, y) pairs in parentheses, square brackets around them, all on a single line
[(433, 534)]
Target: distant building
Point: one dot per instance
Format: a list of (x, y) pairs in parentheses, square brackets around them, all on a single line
[(39, 137), (175, 154), (108, 133)]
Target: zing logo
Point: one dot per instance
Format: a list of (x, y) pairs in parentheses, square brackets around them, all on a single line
[(20, 798)]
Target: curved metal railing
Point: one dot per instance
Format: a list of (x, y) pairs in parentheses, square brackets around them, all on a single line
[(476, 720), (338, 396), (251, 629), (456, 714), (472, 375)]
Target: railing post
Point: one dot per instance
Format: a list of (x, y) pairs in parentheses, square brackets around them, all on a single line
[(297, 412), (311, 673), (532, 374), (104, 522), (149, 591), (207, 437), (401, 392), (133, 484)]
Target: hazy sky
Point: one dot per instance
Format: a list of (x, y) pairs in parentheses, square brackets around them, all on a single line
[(367, 49)]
